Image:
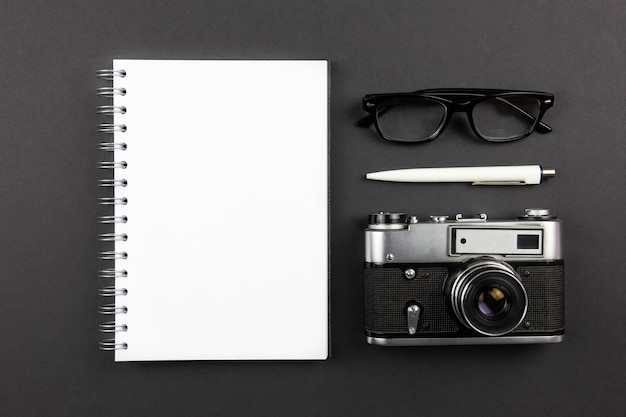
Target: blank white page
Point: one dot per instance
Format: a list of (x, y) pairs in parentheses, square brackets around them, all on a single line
[(227, 207)]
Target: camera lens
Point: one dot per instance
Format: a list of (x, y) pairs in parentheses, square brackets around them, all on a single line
[(488, 297), (492, 301)]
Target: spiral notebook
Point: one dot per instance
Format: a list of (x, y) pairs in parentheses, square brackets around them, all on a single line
[(218, 172)]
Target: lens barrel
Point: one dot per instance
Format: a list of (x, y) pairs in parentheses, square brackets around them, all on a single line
[(488, 297)]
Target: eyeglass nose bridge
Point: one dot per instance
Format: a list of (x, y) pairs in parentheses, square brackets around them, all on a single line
[(458, 107)]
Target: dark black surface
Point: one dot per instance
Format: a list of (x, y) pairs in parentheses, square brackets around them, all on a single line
[(49, 52)]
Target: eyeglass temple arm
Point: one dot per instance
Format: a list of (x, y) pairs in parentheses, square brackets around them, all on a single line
[(543, 128), (368, 120)]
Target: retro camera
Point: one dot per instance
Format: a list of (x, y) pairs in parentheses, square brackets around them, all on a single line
[(446, 281)]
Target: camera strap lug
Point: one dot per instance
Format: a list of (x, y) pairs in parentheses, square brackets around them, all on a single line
[(413, 316)]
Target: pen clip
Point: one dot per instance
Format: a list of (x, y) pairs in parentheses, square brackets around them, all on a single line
[(499, 183)]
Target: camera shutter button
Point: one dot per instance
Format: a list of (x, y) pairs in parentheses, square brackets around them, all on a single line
[(536, 212)]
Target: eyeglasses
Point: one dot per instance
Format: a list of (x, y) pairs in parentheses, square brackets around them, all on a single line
[(494, 115)]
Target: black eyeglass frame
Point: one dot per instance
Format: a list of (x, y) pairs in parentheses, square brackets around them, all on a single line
[(456, 100)]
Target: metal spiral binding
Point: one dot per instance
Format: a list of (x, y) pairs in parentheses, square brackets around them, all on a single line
[(112, 291), (109, 74), (112, 273), (111, 255), (110, 92), (112, 219), (110, 110), (112, 237), (110, 344), (112, 201), (111, 146), (113, 165), (112, 309), (111, 327), (109, 182), (111, 128)]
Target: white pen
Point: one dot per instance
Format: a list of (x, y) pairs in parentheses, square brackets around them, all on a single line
[(490, 175)]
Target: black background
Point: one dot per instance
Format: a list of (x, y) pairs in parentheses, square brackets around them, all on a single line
[(49, 52)]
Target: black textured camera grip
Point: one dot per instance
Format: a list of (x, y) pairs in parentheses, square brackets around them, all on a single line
[(387, 293), (545, 286)]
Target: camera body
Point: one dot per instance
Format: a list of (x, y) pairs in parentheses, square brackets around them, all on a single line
[(454, 281)]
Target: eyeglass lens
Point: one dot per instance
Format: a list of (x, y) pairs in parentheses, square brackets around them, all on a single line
[(415, 119), (410, 120), (505, 118)]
